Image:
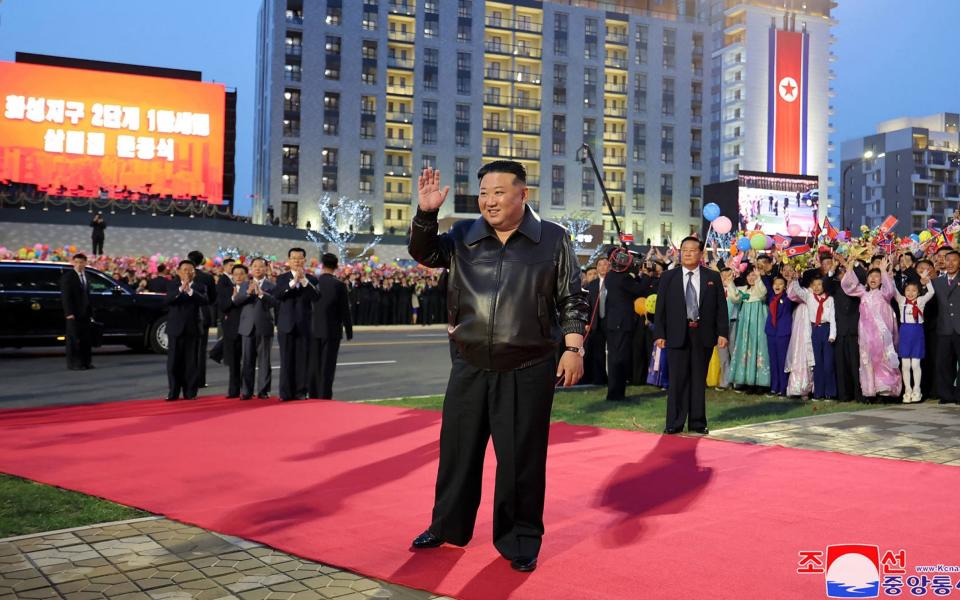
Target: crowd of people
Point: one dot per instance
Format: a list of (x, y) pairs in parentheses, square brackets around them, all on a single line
[(844, 321)]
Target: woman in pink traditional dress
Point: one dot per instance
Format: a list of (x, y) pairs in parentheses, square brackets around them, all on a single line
[(877, 331), (799, 363)]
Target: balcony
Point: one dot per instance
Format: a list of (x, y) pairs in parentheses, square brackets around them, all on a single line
[(613, 62), (293, 50), (514, 101), (401, 197), (402, 8), (615, 161), (615, 186), (399, 90), (295, 18), (533, 181), (408, 37), (515, 153), (506, 75), (615, 136), (511, 50), (615, 111), (507, 126), (400, 117), (615, 88), (400, 63), (399, 143), (617, 38), (494, 22), (397, 171)]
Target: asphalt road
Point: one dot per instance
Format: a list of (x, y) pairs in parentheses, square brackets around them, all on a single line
[(376, 364)]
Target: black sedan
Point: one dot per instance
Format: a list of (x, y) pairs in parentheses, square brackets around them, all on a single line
[(31, 311)]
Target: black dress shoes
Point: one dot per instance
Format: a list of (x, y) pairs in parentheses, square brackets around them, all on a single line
[(426, 540), (231, 397), (245, 396), (171, 398), (524, 564), (671, 430), (263, 396), (701, 430)]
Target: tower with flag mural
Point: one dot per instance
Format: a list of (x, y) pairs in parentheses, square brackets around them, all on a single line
[(775, 90)]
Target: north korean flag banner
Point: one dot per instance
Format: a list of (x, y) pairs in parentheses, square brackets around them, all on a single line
[(787, 102), (781, 242), (888, 224), (832, 233), (797, 250)]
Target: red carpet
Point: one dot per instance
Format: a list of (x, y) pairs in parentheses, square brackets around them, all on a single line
[(629, 515)]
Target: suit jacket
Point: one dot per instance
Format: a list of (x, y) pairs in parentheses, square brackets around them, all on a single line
[(229, 312), (158, 285), (622, 290), (295, 304), (331, 309), (671, 311), (846, 308), (784, 311), (209, 286), (256, 316), (948, 305), (224, 288), (76, 298), (902, 278), (183, 313)]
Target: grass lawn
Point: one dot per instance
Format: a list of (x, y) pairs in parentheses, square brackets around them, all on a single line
[(29, 507), (646, 408)]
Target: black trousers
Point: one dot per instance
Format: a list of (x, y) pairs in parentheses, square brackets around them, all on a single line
[(513, 407), (595, 357), (97, 245), (294, 352), (202, 340), (948, 353), (620, 361), (256, 360), (928, 384), (323, 366), (232, 359), (641, 353), (78, 343), (686, 394), (846, 360), (182, 373)]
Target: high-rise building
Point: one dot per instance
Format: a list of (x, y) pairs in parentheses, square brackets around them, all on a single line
[(909, 169), (355, 97)]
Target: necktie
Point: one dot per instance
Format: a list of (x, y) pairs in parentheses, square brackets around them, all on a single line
[(773, 308), (691, 296), (820, 303), (83, 281), (603, 300)]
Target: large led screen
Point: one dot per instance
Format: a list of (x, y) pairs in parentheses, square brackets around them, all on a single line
[(778, 204)]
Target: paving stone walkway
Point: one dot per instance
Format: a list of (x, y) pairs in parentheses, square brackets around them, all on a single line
[(160, 559), (924, 432)]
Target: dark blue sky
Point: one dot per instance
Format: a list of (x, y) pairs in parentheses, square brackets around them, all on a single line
[(895, 58)]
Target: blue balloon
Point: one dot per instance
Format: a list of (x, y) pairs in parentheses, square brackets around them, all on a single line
[(711, 211), (743, 244), (915, 237)]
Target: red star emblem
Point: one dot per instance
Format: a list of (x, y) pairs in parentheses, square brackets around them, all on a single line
[(788, 89)]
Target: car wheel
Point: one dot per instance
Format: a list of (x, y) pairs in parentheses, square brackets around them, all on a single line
[(158, 336)]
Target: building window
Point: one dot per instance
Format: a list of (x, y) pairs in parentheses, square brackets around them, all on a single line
[(640, 93), (291, 127), (430, 133), (292, 72), (557, 183), (561, 23), (462, 132), (431, 25), (559, 84), (463, 73), (587, 198), (667, 99), (428, 161), (289, 184), (666, 144), (669, 48), (291, 100), (559, 135), (640, 44), (334, 12), (331, 69), (288, 213), (666, 193)]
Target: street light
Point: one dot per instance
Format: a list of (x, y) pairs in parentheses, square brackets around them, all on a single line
[(843, 184)]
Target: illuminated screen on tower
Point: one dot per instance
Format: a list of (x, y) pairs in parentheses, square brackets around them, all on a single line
[(88, 130), (778, 204)]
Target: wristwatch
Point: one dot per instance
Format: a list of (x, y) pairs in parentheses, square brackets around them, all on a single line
[(576, 349)]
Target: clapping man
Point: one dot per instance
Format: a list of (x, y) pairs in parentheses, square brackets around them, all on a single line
[(294, 291), (256, 329), (185, 298), (230, 314)]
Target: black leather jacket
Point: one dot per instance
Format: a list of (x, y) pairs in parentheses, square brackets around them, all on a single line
[(508, 305)]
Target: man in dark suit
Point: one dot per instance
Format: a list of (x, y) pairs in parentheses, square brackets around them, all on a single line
[(230, 312), (294, 291), (595, 345), (185, 298), (691, 318), (331, 317), (224, 288), (158, 285), (75, 294), (206, 282), (615, 309), (256, 329), (948, 328)]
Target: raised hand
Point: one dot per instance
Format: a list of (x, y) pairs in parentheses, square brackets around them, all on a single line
[(430, 196)]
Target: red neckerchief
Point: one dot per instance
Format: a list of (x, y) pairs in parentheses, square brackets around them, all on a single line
[(773, 308), (917, 313), (821, 302)]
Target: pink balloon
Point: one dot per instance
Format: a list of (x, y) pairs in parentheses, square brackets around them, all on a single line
[(769, 242), (722, 225), (793, 230)]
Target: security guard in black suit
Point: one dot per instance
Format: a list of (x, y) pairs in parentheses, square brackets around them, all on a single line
[(230, 317), (75, 294), (331, 318), (619, 321), (207, 313)]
